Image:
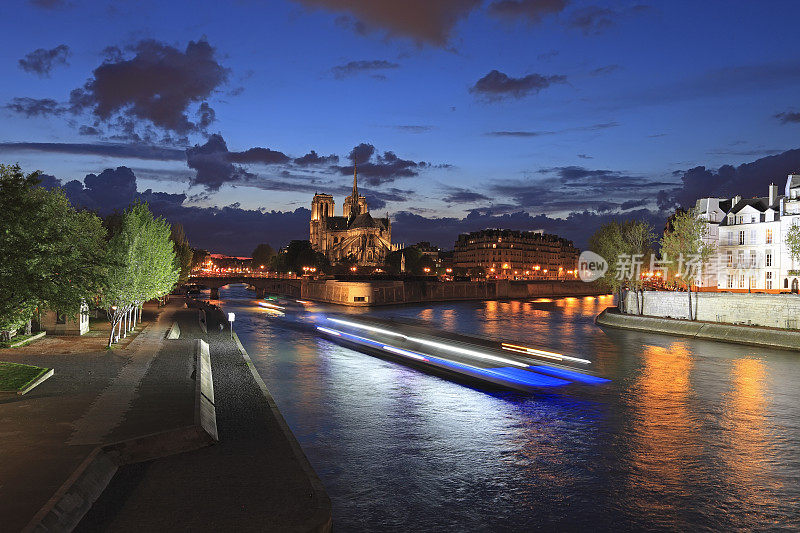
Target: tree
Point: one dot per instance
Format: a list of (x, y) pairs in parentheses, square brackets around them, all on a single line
[(686, 252), (299, 254), (624, 246), (262, 255), (183, 252), (143, 266), (52, 255), (793, 241)]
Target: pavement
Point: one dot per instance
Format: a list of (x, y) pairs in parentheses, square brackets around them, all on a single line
[(254, 479), (96, 396)]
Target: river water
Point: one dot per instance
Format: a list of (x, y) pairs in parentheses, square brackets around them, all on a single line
[(689, 435)]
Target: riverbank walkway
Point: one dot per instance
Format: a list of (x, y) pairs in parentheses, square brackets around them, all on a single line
[(251, 480), (255, 479)]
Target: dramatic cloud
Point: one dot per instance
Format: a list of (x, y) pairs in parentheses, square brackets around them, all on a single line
[(120, 150), (458, 195), (357, 67), (230, 229), (532, 10), (312, 158), (41, 61), (212, 164), (421, 20), (788, 117), (35, 107), (156, 86), (89, 130), (746, 180), (498, 86), (377, 168), (577, 226), (263, 156)]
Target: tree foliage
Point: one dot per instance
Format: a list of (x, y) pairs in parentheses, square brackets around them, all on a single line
[(183, 252), (623, 245), (143, 263), (299, 254), (262, 255), (685, 251), (793, 240), (416, 261), (52, 255)]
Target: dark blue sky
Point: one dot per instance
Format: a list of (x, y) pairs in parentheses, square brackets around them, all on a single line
[(552, 113)]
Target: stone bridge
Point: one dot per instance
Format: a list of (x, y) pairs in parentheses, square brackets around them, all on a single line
[(263, 285)]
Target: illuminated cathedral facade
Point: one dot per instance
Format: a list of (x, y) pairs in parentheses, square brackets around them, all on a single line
[(353, 237)]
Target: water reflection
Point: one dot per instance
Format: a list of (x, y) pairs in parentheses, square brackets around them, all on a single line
[(690, 434)]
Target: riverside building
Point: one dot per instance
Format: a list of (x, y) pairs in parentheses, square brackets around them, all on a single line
[(515, 254), (750, 236)]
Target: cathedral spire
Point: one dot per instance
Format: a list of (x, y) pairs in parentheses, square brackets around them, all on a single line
[(355, 181)]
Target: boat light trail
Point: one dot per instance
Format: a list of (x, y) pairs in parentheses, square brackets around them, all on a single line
[(270, 306), (542, 353), (330, 331), (433, 344), (400, 351)]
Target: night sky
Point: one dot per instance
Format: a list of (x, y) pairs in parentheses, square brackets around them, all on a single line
[(461, 114)]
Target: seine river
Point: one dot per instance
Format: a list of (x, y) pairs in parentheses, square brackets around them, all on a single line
[(690, 435)]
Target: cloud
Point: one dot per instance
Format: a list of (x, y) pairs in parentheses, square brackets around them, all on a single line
[(119, 150), (41, 61), (264, 156), (498, 86), (212, 164), (157, 86), (608, 69), (746, 180), (312, 158), (230, 229), (89, 130), (593, 20), (423, 21), (35, 107), (630, 204), (584, 156), (457, 195), (48, 4), (376, 168), (788, 117), (522, 133), (357, 67), (532, 10), (577, 226), (411, 128)]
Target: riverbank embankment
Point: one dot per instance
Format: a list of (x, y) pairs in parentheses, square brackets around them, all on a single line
[(738, 334), (255, 478)]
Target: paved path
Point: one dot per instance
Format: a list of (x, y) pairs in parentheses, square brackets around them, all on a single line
[(94, 397), (251, 480)]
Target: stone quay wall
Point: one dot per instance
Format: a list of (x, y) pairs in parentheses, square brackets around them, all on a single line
[(368, 293), (769, 310)]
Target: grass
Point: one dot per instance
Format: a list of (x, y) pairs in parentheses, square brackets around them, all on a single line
[(15, 339), (15, 377)]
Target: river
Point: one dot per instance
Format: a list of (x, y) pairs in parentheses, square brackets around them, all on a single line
[(689, 435)]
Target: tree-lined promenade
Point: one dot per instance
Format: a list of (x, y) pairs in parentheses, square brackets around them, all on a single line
[(56, 257)]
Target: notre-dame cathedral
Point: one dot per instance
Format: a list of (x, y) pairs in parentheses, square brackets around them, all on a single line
[(355, 236)]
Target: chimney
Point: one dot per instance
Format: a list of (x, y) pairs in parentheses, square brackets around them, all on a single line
[(773, 193), (736, 199)]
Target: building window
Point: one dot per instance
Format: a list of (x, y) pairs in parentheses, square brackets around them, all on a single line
[(769, 236), (730, 258), (769, 281), (768, 259), (741, 236), (730, 282), (752, 258), (752, 219), (740, 259), (741, 281)]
